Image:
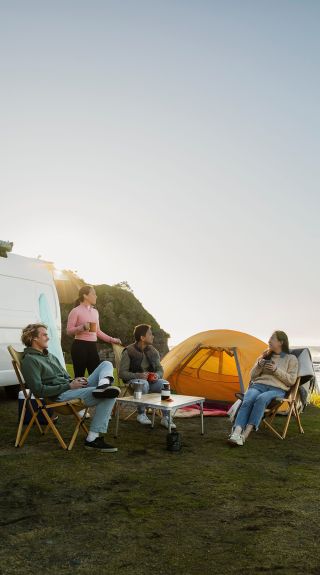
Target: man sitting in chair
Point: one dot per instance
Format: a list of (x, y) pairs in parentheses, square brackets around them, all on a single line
[(45, 377), (140, 363), (272, 376)]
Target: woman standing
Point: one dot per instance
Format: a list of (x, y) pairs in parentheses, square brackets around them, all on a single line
[(272, 376), (83, 324)]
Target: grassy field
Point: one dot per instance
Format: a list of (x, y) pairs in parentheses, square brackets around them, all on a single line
[(209, 509)]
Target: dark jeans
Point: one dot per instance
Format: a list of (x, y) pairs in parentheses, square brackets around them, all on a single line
[(84, 356)]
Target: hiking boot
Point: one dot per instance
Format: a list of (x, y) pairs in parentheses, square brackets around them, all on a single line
[(143, 419), (106, 390), (99, 445), (236, 439), (165, 423)]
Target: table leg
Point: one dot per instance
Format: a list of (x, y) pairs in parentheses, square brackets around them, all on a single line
[(153, 418), (117, 419), (201, 417), (170, 420)]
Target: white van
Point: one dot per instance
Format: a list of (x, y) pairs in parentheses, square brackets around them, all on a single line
[(27, 295)]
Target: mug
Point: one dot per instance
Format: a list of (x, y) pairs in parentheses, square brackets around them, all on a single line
[(137, 390), (93, 326)]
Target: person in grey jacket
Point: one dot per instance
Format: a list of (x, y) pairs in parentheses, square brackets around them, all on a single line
[(140, 363)]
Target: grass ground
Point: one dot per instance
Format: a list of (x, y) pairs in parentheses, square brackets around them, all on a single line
[(208, 509)]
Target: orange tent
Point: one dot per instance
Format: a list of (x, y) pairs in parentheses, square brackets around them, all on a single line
[(214, 364)]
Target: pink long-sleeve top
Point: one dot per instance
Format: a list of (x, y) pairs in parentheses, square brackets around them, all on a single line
[(81, 315)]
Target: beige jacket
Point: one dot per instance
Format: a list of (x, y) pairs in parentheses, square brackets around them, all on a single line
[(285, 375)]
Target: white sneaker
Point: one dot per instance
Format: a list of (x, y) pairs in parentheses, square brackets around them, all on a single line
[(143, 419), (165, 423), (82, 412), (236, 439)]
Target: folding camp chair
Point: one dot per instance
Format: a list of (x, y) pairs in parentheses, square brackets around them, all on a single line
[(275, 406), (37, 405), (126, 389), (305, 376)]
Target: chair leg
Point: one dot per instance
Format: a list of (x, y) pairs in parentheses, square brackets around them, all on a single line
[(82, 424), (77, 427), (297, 416), (54, 429), (269, 426), (27, 430), (36, 421), (288, 421), (21, 420), (130, 415)]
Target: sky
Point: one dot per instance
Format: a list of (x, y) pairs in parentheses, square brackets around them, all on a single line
[(173, 144)]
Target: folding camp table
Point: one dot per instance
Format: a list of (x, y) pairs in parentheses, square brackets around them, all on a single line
[(153, 401)]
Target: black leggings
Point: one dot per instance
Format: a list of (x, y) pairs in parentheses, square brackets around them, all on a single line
[(84, 356)]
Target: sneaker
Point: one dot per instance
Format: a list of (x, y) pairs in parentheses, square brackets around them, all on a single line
[(106, 390), (165, 423), (99, 445), (82, 412), (143, 419), (236, 439)]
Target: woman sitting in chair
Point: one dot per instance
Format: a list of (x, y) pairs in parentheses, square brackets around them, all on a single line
[(272, 376)]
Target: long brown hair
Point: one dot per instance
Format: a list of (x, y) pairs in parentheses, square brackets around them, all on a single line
[(283, 338), (84, 290)]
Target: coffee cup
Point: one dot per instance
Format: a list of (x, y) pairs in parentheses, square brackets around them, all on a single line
[(137, 390), (93, 326)]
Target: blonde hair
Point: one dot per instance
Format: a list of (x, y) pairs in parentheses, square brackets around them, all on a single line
[(30, 332)]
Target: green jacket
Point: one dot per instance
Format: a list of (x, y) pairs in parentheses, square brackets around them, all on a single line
[(43, 373)]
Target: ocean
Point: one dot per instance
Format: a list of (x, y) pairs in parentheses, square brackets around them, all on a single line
[(315, 353)]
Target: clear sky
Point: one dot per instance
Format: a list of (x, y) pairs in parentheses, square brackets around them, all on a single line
[(173, 144)]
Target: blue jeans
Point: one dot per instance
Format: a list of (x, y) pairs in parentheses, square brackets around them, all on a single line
[(255, 400), (149, 387), (104, 406)]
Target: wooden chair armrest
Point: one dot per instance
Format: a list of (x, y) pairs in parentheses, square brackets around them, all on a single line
[(64, 403)]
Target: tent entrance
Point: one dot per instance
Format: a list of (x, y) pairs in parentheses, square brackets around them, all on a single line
[(214, 370)]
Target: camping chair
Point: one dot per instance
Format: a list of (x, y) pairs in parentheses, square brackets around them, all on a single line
[(42, 406), (126, 389), (296, 397)]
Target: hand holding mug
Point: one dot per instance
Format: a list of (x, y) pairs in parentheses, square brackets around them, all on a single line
[(143, 375), (86, 326), (270, 366), (78, 383)]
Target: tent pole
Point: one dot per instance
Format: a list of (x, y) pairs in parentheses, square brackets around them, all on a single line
[(211, 352), (238, 368), (186, 360)]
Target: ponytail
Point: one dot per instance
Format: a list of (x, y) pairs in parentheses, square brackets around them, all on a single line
[(84, 290)]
